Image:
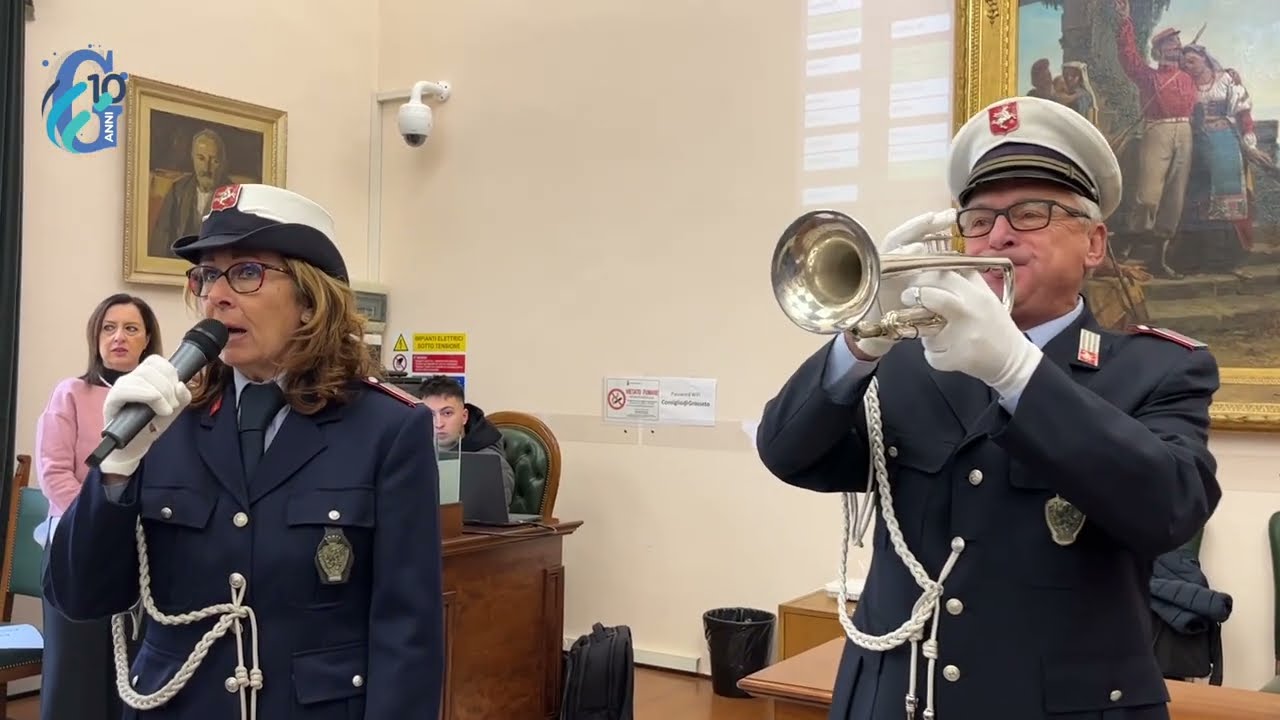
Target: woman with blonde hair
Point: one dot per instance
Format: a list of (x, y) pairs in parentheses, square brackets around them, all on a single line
[(284, 507), (76, 673)]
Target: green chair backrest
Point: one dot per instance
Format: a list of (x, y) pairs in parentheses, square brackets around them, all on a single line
[(1194, 544), (28, 556), (1273, 534), (532, 465)]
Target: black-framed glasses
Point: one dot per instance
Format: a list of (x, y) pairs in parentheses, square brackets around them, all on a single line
[(1026, 216), (242, 277)]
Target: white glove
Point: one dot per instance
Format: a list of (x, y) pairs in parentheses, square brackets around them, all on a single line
[(902, 240), (980, 338), (153, 383)]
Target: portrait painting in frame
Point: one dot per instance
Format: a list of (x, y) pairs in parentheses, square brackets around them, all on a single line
[(1187, 94), (180, 145)]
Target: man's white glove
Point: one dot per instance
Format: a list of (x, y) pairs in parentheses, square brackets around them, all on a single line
[(902, 240), (155, 384), (980, 338)]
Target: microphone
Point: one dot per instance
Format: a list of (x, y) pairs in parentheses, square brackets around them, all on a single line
[(199, 347)]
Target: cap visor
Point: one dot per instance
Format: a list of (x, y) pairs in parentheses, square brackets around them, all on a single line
[(1024, 173)]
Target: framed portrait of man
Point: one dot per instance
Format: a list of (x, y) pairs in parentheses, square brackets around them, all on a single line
[(1187, 95), (180, 146)]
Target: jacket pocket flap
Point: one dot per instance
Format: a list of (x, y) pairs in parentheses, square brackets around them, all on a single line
[(176, 506), (1094, 684), (152, 668), (330, 673), (919, 453), (347, 507)]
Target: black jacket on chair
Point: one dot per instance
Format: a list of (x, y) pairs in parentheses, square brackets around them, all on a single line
[(1188, 618)]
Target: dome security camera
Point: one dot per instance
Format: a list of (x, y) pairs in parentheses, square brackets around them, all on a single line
[(415, 119)]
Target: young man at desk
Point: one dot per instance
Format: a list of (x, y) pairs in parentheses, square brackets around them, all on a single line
[(461, 425)]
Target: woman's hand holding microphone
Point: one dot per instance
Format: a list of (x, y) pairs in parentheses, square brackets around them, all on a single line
[(153, 383)]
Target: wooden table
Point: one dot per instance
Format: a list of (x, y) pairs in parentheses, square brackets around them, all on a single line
[(800, 689), (504, 622), (807, 622)]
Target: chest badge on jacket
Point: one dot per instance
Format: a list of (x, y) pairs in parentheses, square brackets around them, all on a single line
[(1064, 520), (333, 557)]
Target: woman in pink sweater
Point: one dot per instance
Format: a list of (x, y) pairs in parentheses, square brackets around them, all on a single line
[(78, 681)]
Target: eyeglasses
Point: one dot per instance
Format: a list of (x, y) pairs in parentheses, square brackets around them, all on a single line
[(1026, 216), (242, 277)]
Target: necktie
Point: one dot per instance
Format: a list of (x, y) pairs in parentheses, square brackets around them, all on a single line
[(258, 405)]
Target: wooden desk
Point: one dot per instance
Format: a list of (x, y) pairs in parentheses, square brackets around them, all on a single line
[(808, 621), (800, 689), (504, 622)]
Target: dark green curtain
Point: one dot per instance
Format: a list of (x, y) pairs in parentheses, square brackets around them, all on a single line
[(12, 33)]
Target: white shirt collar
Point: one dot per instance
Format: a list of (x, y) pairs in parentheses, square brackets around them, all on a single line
[(1041, 334), (241, 380)]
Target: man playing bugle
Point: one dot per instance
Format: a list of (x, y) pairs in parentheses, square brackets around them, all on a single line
[(1029, 464)]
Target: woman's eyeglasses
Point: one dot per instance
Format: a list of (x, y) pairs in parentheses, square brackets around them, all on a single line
[(242, 277)]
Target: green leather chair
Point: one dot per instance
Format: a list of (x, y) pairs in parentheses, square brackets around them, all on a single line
[(23, 561), (1273, 534), (1194, 544), (534, 454)]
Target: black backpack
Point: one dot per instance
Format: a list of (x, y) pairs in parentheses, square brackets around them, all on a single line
[(599, 676)]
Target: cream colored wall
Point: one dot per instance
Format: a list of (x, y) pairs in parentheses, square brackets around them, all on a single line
[(601, 197), (321, 71), (583, 149)]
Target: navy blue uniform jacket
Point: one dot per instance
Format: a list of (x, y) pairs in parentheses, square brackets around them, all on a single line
[(368, 648), (1030, 629)]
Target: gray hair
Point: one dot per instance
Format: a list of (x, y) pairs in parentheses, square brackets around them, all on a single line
[(1089, 208)]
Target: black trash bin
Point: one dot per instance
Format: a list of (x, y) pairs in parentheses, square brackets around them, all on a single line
[(740, 641)]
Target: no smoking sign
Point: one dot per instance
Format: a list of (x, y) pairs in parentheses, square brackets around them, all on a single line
[(617, 399)]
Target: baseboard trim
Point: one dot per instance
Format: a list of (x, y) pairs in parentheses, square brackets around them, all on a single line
[(657, 659)]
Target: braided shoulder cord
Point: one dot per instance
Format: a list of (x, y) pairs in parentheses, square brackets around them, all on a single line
[(230, 614), (856, 523)]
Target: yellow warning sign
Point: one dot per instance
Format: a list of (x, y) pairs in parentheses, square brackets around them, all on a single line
[(439, 342), (401, 345)]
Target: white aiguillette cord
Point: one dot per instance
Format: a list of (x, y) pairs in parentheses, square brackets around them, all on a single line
[(231, 616), (928, 606)]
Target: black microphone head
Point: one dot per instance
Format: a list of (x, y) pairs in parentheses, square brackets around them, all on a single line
[(209, 335)]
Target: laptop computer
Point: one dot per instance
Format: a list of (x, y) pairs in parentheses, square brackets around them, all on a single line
[(484, 500)]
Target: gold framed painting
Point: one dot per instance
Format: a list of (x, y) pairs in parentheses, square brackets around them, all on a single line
[(1186, 92), (181, 144)]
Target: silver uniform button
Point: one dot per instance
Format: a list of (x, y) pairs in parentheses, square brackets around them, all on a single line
[(334, 515), (975, 477), (166, 513), (231, 684), (954, 606), (1116, 695), (357, 681), (957, 544), (240, 519), (236, 580), (951, 673), (893, 451)]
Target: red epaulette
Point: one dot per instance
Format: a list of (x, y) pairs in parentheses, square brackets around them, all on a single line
[(1167, 334), (393, 391)]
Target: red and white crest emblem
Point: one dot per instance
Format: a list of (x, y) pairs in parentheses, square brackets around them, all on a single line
[(225, 197), (1003, 119)]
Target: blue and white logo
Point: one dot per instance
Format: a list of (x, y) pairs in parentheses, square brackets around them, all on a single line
[(70, 105)]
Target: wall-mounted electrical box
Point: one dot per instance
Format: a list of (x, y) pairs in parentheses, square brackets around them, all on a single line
[(371, 302)]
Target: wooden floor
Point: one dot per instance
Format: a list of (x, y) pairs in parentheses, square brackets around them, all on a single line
[(658, 695)]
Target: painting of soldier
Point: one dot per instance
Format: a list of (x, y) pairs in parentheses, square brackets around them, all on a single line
[(1187, 93)]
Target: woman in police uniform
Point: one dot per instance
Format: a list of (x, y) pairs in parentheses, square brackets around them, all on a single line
[(283, 507)]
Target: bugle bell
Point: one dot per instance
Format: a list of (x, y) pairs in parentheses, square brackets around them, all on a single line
[(826, 275)]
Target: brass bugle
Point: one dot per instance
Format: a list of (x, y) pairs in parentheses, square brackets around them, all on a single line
[(826, 274)]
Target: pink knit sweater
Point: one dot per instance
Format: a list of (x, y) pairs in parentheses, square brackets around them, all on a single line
[(69, 429)]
